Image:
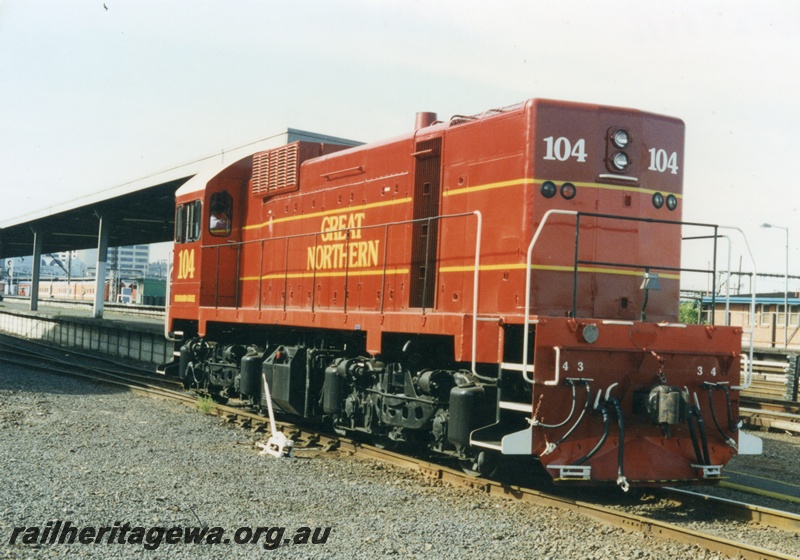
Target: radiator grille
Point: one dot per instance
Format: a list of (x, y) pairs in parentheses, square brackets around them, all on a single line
[(276, 171)]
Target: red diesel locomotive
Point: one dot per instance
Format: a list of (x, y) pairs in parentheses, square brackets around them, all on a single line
[(499, 284)]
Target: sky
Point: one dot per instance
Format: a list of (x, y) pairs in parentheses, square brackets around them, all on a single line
[(96, 93)]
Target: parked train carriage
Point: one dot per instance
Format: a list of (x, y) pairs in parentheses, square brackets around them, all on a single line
[(506, 283)]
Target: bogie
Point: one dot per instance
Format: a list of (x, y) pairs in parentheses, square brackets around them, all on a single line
[(389, 403)]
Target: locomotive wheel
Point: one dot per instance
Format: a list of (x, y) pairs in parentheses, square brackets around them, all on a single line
[(484, 464)]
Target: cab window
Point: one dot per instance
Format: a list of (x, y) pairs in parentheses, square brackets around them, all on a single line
[(187, 221), (180, 214), (221, 214)]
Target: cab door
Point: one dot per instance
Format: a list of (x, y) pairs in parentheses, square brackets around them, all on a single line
[(185, 289), (221, 247), (425, 230)]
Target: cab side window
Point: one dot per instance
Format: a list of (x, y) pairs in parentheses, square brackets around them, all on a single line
[(193, 220), (187, 221), (180, 218), (221, 214)]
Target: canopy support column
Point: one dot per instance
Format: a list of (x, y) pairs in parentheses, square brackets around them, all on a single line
[(102, 258), (36, 267)]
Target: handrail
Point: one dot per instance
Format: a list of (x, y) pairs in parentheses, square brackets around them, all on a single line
[(167, 300), (260, 284), (347, 236), (478, 234), (286, 277), (748, 376), (577, 261), (728, 283), (641, 266), (727, 274), (216, 281), (554, 382), (528, 262)]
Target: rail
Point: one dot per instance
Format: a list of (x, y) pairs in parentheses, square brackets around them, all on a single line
[(687, 507)]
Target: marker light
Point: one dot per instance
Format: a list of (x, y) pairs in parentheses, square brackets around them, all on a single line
[(672, 202), (548, 189), (568, 191), (620, 160), (620, 139), (658, 200)]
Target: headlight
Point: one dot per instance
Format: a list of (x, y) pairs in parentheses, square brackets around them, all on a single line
[(658, 200), (672, 202), (548, 189), (620, 160), (620, 139), (568, 191), (590, 333)]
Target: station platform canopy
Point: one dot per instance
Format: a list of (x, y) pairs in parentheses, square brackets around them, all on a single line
[(139, 212)]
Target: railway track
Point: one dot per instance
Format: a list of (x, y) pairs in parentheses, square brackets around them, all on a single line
[(657, 515), (770, 413), (44, 357)]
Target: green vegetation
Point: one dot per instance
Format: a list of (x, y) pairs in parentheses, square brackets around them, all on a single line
[(205, 405), (688, 313)]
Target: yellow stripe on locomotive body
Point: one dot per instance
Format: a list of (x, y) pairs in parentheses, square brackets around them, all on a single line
[(538, 182), (451, 269), (324, 274), (552, 268)]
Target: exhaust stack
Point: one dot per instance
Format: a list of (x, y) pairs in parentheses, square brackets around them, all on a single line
[(424, 119)]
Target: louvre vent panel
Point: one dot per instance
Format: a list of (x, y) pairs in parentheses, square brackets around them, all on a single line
[(276, 170)]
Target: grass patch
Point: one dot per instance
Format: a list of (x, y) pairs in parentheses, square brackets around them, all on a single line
[(206, 405)]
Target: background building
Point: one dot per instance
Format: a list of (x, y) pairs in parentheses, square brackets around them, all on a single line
[(770, 319), (130, 277)]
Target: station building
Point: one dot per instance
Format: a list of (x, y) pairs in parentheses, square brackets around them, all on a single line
[(769, 317)]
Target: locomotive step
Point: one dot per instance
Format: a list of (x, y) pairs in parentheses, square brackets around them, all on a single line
[(572, 472), (516, 406), (510, 443), (516, 367), (494, 445)]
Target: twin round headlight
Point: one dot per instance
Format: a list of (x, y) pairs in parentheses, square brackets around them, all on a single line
[(620, 139)]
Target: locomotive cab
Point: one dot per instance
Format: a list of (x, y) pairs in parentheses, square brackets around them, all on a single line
[(208, 224)]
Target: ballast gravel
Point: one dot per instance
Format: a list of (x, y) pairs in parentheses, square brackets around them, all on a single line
[(75, 452)]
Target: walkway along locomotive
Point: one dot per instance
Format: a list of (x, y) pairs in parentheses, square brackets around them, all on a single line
[(499, 284)]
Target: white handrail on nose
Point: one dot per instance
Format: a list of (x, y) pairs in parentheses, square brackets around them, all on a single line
[(526, 329)]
